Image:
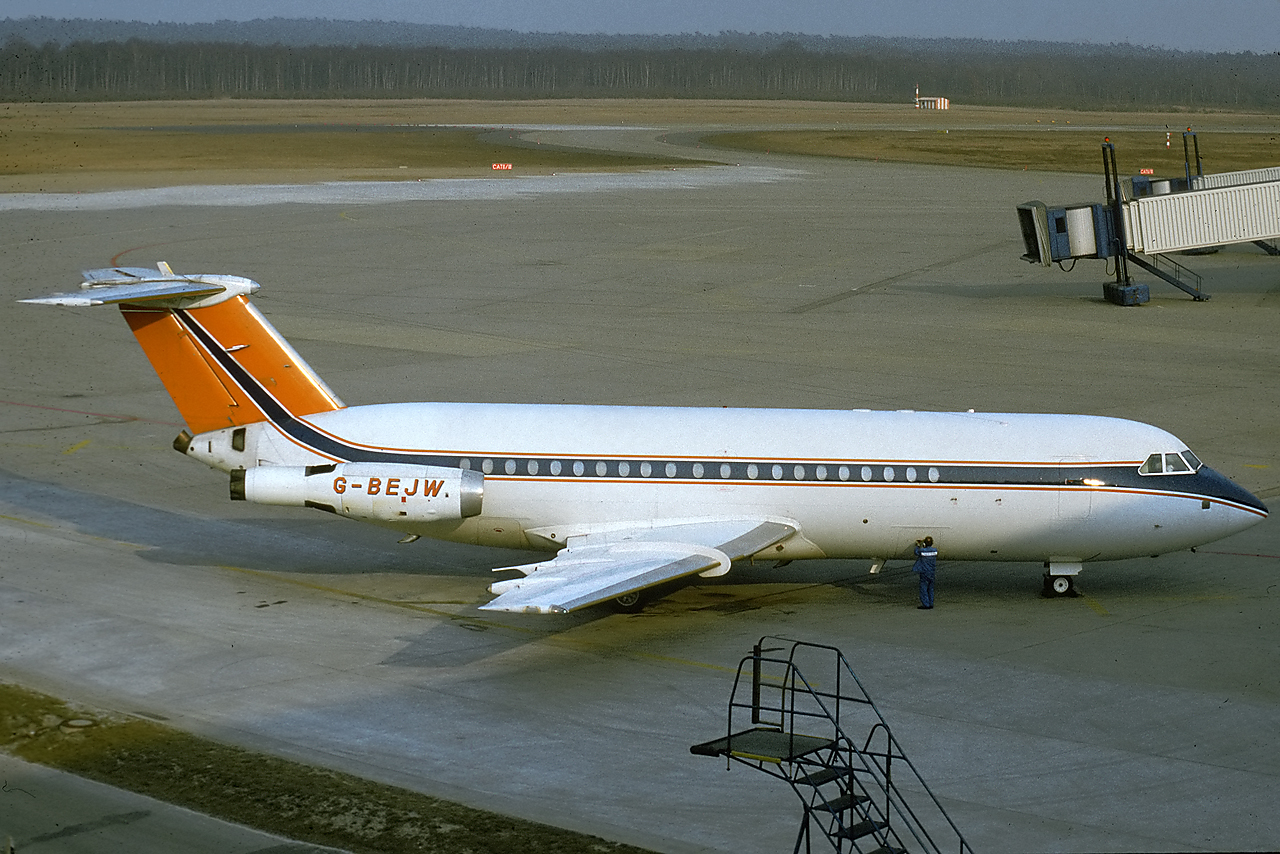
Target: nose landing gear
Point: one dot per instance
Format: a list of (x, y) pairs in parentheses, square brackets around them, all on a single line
[(1058, 585), (1060, 578)]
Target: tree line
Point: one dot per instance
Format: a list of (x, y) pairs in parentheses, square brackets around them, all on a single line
[(1111, 77)]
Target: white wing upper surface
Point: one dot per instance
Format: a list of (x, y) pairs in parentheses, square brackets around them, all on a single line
[(597, 567)]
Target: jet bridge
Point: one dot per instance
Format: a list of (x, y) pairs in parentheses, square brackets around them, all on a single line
[(1144, 219)]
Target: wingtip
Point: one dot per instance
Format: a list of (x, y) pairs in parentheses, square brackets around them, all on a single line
[(60, 299)]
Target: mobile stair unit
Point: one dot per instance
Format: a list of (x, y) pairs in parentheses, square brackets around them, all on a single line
[(1144, 219), (829, 743)]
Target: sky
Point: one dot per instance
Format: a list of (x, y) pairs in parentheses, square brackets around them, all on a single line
[(1212, 25)]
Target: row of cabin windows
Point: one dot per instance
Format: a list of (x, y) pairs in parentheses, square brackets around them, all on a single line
[(699, 470), (1184, 463)]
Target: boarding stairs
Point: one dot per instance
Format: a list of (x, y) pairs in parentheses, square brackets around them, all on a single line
[(829, 743), (1164, 267)]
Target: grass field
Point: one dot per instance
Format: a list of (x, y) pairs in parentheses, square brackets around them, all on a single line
[(286, 798), (114, 145), (1053, 150)]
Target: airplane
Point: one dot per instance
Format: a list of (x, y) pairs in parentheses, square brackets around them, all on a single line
[(631, 499)]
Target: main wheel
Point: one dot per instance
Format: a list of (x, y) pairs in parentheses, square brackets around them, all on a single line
[(629, 602), (1062, 585)]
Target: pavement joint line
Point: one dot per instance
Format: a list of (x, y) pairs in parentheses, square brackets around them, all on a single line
[(71, 532), (54, 429), (804, 308), (31, 522), (122, 419)]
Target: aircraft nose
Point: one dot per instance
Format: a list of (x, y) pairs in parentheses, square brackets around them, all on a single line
[(1216, 485)]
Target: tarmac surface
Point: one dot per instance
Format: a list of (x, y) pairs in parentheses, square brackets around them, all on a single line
[(1142, 715)]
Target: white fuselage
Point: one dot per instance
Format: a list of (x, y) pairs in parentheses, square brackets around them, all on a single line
[(1010, 487)]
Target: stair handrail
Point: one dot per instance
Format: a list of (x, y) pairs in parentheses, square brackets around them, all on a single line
[(788, 715), (895, 800)]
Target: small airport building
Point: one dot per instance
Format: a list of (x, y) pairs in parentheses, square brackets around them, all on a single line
[(931, 103)]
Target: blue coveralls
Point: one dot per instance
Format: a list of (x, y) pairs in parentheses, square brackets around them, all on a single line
[(927, 566)]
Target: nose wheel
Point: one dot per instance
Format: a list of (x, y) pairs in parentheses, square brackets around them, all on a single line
[(1059, 585)]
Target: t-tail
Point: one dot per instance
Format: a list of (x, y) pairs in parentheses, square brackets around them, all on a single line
[(221, 361)]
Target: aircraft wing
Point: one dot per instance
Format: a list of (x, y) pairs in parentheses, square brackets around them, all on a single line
[(594, 568)]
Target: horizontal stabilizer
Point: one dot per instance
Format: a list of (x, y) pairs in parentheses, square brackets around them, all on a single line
[(133, 292), (143, 286), (220, 360), (124, 275)]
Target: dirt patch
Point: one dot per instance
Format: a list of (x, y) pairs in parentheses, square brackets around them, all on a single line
[(275, 795), (125, 156), (1056, 150), (67, 147)]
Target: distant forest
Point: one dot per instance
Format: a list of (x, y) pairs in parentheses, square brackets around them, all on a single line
[(47, 59)]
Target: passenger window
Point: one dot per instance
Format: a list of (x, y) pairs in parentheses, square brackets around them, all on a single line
[(1174, 463), (1153, 465)]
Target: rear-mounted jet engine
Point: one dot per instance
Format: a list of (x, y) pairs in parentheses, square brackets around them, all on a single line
[(375, 492)]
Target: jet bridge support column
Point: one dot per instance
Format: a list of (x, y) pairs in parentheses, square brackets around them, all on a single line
[(1124, 291)]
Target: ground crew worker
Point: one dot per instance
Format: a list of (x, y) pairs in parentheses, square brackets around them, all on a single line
[(927, 566)]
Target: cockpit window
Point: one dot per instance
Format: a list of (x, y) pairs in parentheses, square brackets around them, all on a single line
[(1170, 464)]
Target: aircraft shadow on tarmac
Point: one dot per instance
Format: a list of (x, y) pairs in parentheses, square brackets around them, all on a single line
[(269, 545), (326, 547)]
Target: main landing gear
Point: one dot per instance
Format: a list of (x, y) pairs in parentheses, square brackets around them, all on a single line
[(630, 603)]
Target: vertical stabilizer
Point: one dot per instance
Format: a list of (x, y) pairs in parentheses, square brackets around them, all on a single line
[(221, 361), (224, 365)]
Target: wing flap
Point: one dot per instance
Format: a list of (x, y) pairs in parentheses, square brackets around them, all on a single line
[(594, 569), (578, 577)]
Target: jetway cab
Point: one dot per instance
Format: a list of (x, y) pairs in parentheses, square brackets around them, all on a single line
[(1065, 233)]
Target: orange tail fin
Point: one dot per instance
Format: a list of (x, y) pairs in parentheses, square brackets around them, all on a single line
[(222, 363), (196, 353)]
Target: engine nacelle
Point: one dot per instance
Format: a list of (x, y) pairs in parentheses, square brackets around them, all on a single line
[(376, 492)]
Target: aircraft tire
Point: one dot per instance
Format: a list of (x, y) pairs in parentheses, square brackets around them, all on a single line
[(1059, 585), (629, 603)]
